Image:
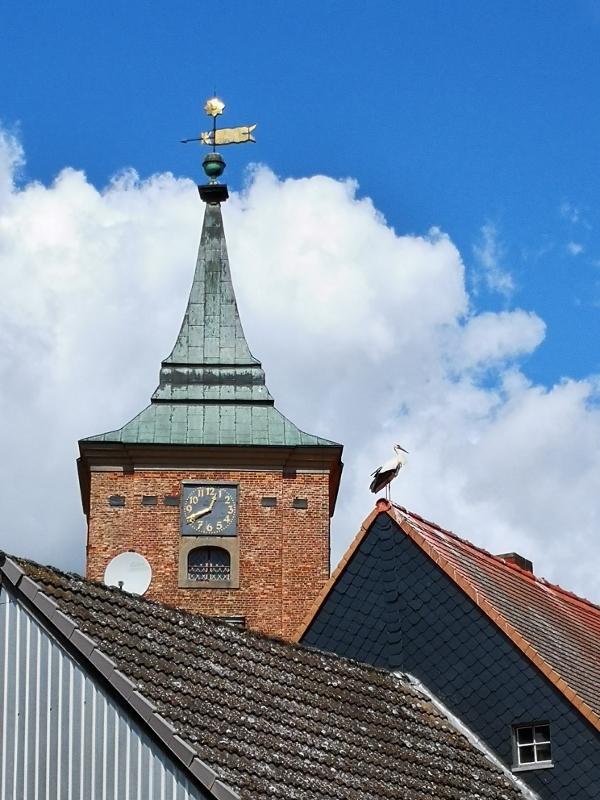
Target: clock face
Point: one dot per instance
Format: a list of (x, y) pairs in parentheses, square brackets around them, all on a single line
[(209, 510)]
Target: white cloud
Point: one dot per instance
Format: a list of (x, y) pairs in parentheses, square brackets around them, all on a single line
[(569, 212), (367, 338), (574, 248), (486, 339), (489, 255)]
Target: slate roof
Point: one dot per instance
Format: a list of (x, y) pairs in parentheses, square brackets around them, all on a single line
[(558, 631), (212, 390), (257, 717)]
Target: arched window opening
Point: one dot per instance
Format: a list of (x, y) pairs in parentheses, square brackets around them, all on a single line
[(209, 564)]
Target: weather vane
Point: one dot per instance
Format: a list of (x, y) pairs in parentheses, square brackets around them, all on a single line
[(213, 163)]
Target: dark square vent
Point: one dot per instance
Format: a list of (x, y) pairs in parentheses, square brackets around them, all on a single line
[(300, 502), (269, 502), (171, 500), (289, 472), (149, 500), (116, 500)]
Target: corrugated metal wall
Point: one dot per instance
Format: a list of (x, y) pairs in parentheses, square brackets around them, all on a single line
[(61, 736)]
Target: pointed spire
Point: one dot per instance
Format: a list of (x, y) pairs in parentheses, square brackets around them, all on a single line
[(211, 360), (212, 390)]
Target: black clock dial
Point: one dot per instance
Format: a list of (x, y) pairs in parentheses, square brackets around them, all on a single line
[(209, 510)]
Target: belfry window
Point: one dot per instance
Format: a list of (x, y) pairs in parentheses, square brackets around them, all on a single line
[(209, 564)]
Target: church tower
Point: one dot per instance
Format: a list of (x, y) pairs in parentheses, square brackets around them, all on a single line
[(227, 500)]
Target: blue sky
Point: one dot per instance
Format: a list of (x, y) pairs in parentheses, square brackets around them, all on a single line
[(447, 114), (477, 119)]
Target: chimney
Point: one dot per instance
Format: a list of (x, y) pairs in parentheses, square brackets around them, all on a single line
[(517, 561)]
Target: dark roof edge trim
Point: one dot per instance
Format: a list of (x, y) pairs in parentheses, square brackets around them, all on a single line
[(471, 737), (178, 749)]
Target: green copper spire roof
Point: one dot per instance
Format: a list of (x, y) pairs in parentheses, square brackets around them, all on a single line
[(211, 359), (212, 390)]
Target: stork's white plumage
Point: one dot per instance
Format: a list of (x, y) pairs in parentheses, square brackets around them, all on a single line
[(385, 474)]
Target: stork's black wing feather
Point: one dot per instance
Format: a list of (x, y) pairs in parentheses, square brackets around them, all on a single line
[(382, 479)]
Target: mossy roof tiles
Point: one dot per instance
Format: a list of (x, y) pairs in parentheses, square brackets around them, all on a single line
[(272, 719)]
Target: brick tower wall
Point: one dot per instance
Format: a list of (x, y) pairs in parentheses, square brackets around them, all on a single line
[(283, 551)]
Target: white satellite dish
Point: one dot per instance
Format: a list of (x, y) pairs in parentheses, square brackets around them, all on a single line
[(129, 571)]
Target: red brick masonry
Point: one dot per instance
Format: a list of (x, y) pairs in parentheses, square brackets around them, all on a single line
[(284, 551)]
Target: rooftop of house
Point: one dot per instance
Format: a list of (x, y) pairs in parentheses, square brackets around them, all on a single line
[(258, 717), (558, 631)]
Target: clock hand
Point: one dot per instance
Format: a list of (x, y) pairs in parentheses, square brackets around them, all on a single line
[(201, 513)]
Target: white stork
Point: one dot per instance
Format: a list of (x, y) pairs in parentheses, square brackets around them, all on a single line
[(385, 474)]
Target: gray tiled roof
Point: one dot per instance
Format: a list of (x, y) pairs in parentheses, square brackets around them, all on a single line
[(275, 720), (212, 390)]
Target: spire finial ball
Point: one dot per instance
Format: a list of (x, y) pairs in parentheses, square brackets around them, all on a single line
[(213, 165)]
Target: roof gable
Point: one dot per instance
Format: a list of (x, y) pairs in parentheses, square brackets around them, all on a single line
[(557, 631), (270, 718)]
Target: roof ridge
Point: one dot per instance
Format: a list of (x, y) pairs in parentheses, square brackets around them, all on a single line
[(497, 560), (217, 621), (406, 522), (190, 615)]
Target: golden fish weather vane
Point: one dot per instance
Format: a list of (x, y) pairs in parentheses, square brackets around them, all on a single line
[(222, 136), (213, 165)]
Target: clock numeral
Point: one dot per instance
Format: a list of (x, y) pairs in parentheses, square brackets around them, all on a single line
[(188, 508), (219, 526), (230, 509), (209, 528), (194, 499), (227, 519)]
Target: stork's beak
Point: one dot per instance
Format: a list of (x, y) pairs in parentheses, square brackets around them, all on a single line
[(401, 448)]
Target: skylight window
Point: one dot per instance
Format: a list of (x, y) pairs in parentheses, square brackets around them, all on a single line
[(532, 746)]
